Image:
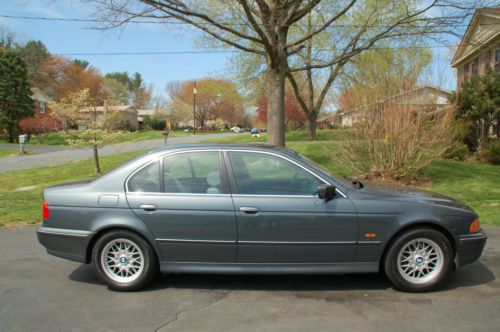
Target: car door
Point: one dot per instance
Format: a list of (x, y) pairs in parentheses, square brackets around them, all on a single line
[(184, 199), (280, 217)]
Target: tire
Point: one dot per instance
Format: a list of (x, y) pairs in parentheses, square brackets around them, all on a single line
[(419, 260), (124, 261)]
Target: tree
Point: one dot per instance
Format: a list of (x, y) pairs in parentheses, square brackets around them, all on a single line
[(34, 54), (117, 90), (478, 104), (380, 74), (81, 108), (84, 64), (263, 27), (293, 113), (15, 101), (138, 93), (215, 99)]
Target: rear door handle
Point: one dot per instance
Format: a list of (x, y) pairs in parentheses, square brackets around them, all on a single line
[(147, 207), (249, 210)]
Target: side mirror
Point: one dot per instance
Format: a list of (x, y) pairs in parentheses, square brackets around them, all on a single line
[(326, 192)]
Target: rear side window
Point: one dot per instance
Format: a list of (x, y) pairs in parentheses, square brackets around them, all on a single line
[(146, 180), (192, 172)]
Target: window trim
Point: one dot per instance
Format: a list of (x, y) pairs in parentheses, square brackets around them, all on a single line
[(227, 175), (236, 190)]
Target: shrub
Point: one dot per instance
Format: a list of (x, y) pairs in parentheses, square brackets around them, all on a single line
[(396, 141), (490, 152), (154, 123), (459, 151)]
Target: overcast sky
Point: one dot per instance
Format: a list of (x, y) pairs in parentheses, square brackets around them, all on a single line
[(78, 37)]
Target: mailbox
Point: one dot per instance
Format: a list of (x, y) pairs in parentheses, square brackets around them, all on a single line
[(165, 136), (23, 139)]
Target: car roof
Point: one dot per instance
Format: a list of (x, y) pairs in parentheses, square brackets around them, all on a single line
[(223, 146)]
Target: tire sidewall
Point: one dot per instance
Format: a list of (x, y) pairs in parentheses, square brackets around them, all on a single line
[(150, 261), (390, 263)]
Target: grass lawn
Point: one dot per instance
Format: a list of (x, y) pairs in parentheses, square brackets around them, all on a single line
[(478, 185), (57, 138), (8, 152), (24, 207), (11, 152)]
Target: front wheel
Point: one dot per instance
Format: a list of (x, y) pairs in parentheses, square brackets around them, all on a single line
[(124, 261), (419, 260)]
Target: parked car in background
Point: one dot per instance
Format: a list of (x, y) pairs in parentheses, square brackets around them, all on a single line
[(236, 129), (253, 209)]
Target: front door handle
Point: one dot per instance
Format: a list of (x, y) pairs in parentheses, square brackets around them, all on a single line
[(249, 210), (147, 207)]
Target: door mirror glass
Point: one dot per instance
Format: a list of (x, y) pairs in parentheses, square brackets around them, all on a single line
[(326, 192)]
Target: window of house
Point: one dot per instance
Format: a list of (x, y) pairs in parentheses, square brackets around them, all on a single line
[(497, 59), (42, 107), (263, 174), (487, 60), (475, 66)]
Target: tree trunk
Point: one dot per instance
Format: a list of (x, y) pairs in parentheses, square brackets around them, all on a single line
[(96, 159), (312, 118), (275, 87)]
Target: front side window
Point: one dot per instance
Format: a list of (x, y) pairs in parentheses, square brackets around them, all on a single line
[(146, 180), (264, 174), (193, 172)]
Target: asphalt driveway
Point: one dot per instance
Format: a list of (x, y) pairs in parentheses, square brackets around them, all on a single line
[(44, 293), (59, 155)]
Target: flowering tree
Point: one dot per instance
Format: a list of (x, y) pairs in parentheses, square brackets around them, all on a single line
[(81, 108)]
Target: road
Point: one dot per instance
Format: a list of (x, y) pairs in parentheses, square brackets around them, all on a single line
[(59, 155), (44, 293)]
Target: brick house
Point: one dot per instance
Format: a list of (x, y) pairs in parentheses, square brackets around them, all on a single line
[(106, 113), (42, 120), (480, 46)]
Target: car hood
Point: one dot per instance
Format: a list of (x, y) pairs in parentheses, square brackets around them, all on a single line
[(408, 194)]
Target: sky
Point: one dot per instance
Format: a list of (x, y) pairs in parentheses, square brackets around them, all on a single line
[(79, 37)]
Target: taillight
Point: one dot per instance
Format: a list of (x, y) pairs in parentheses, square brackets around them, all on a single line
[(45, 210), (475, 226)]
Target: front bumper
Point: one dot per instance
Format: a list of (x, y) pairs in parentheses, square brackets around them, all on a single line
[(66, 243), (470, 247)]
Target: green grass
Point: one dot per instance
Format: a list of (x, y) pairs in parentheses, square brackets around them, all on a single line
[(12, 152), (57, 138), (24, 207), (8, 152), (478, 185)]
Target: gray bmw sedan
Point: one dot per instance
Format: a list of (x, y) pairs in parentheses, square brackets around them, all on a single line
[(253, 209)]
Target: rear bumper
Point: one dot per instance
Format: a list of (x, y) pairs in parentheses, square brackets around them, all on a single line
[(470, 247), (66, 243)]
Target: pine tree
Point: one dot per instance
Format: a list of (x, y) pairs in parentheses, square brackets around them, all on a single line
[(15, 101)]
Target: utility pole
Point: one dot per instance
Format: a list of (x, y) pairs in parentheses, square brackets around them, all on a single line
[(194, 108)]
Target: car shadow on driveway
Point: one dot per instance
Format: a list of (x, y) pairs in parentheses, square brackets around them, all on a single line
[(468, 276)]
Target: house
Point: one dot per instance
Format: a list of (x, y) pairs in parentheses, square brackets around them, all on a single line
[(114, 116), (41, 121), (479, 49), (423, 96)]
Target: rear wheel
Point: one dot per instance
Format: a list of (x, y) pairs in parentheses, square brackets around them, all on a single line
[(419, 260), (124, 261)]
